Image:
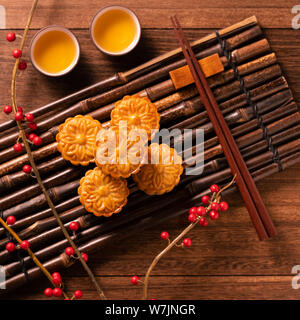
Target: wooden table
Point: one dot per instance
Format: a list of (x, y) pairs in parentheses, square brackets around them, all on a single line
[(226, 261)]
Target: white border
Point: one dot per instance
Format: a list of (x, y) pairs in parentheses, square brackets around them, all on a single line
[(2, 17)]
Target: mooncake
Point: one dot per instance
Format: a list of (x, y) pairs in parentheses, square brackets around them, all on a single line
[(138, 113), (76, 139), (162, 173), (102, 194), (119, 153)]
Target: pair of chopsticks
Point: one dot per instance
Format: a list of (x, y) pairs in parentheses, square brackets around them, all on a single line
[(253, 201)]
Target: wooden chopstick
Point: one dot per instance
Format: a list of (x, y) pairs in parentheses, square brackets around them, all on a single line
[(261, 209), (257, 210)]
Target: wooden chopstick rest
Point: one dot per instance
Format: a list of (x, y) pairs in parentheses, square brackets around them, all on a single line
[(210, 66)]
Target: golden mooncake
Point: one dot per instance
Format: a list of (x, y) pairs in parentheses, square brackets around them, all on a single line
[(138, 113), (162, 173), (119, 153), (76, 139), (102, 194)]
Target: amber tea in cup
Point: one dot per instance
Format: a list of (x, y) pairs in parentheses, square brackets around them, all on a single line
[(115, 30), (54, 51)]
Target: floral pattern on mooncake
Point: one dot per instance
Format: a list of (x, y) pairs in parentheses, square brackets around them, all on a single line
[(138, 113), (162, 173), (76, 139), (119, 153), (102, 194)]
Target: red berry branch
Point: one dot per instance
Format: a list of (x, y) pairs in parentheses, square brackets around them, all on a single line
[(57, 291), (25, 245), (31, 168), (196, 217)]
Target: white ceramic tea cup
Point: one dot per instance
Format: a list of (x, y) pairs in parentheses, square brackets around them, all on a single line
[(135, 40), (40, 33)]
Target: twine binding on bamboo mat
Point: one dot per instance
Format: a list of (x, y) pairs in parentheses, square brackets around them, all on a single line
[(20, 258), (250, 102)]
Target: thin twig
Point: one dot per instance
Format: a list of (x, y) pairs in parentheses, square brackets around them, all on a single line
[(32, 255), (33, 165), (174, 243)]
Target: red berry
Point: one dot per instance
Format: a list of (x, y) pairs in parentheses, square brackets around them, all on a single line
[(32, 125), (205, 199), (25, 244), (18, 147), (85, 257), (192, 210), (134, 280), (20, 109), (187, 242), (29, 117), (164, 235), (77, 294), (56, 281), (69, 251), (22, 65), (10, 247), (73, 226), (192, 217), (214, 215), (19, 116), (201, 211), (27, 168), (224, 206), (11, 220), (37, 141), (215, 206), (17, 53), (7, 109), (31, 136), (11, 36), (48, 292), (56, 275), (214, 188), (57, 292), (203, 222)]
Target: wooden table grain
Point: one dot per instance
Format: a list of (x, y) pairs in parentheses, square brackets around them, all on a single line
[(226, 260)]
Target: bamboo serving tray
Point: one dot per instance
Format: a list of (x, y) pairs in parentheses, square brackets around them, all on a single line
[(263, 84)]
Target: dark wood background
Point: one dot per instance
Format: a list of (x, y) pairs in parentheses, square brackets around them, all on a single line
[(226, 260)]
